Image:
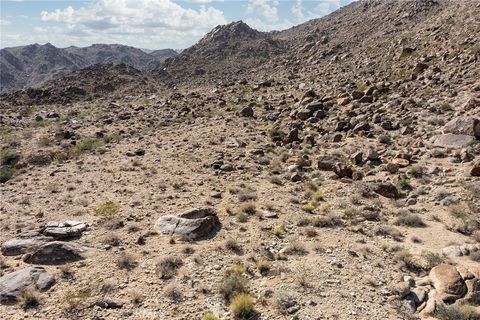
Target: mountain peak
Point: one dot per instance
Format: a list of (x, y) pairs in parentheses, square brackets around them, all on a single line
[(231, 31)]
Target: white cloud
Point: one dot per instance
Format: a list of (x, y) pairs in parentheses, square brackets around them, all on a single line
[(4, 23), (141, 23), (204, 1), (264, 8), (297, 10), (326, 6)]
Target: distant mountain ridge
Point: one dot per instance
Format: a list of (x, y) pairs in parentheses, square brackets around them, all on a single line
[(31, 65)]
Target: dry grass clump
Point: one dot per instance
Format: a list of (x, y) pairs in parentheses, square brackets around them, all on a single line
[(112, 240), (248, 208), (167, 267), (210, 316), (433, 259), (295, 248), (108, 209), (389, 231), (233, 246), (263, 266), (173, 292), (126, 261), (279, 231), (328, 221), (242, 307), (232, 285), (30, 299), (456, 312), (75, 298)]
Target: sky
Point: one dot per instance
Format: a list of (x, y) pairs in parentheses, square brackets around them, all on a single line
[(148, 24)]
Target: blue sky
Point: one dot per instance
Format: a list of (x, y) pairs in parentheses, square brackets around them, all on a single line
[(150, 24)]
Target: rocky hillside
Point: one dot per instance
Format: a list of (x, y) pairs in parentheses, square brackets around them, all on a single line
[(30, 66), (335, 178), (226, 51)]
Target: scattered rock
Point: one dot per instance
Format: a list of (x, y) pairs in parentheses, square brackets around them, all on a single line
[(387, 190), (65, 229)]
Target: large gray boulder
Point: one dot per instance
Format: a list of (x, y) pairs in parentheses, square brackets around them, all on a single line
[(57, 252), (64, 229), (191, 224), (23, 244), (13, 285)]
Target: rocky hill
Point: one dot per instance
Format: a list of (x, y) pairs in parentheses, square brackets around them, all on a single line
[(226, 51), (328, 171), (30, 66)]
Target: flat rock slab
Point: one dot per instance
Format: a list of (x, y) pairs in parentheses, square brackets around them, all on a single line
[(19, 246), (57, 252), (13, 285), (64, 229), (448, 282), (451, 140), (463, 125), (191, 224)]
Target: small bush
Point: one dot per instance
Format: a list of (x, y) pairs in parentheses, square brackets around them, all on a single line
[(386, 230), (126, 261), (279, 231), (8, 157), (232, 285), (232, 245), (210, 316), (75, 298), (6, 174), (237, 268), (456, 312), (248, 208), (433, 259), (173, 293), (295, 248), (167, 267), (108, 209), (410, 220), (30, 299), (263, 266), (242, 307), (88, 144), (328, 221)]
